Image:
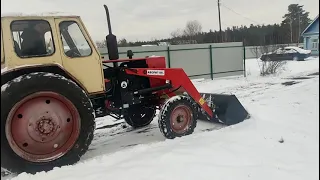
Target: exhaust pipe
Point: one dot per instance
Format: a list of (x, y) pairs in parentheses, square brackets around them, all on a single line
[(111, 39)]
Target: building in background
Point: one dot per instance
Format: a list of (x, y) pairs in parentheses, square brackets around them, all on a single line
[(311, 37)]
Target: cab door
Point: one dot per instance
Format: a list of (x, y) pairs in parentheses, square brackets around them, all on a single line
[(79, 55)]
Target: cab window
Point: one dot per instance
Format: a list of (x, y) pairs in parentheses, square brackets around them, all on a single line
[(32, 38), (73, 41)]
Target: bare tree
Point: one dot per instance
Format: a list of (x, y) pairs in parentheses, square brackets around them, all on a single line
[(256, 51), (154, 39), (192, 28), (101, 44), (123, 42), (269, 67), (177, 33), (268, 48)]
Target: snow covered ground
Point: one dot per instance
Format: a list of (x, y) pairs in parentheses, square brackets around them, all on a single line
[(280, 141)]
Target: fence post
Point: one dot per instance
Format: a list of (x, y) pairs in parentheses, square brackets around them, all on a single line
[(211, 63), (169, 59), (244, 60)]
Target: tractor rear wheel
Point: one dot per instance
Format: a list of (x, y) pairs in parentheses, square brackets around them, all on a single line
[(139, 116), (47, 121), (177, 117)]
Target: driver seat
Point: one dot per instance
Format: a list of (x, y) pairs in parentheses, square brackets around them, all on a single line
[(32, 44)]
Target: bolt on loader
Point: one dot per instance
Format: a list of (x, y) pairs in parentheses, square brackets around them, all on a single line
[(54, 83)]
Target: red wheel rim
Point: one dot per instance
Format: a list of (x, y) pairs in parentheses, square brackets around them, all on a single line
[(43, 127), (181, 118)]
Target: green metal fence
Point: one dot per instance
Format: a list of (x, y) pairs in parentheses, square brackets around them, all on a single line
[(167, 51)]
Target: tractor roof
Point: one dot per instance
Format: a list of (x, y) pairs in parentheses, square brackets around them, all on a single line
[(35, 15)]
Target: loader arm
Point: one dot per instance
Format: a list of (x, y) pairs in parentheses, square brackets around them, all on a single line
[(177, 78)]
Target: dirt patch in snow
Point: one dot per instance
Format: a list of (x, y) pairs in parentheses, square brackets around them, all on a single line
[(314, 74), (290, 83)]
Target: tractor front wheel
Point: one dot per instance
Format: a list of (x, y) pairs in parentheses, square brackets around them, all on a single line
[(47, 121), (177, 117), (139, 116)]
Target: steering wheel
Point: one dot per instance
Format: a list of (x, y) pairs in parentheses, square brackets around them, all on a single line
[(74, 52)]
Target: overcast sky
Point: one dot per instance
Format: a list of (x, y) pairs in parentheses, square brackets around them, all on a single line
[(146, 19)]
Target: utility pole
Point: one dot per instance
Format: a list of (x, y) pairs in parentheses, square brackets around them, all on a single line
[(291, 33), (299, 29), (219, 21)]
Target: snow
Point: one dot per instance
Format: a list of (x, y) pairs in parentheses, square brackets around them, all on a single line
[(290, 49), (49, 14), (4, 87), (4, 69), (168, 102), (302, 51), (172, 99), (279, 141)]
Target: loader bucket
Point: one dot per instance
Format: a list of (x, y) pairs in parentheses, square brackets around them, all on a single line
[(227, 108)]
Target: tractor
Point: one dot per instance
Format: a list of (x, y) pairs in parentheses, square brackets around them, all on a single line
[(54, 83)]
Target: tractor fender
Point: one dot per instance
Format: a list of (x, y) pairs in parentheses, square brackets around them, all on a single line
[(50, 68)]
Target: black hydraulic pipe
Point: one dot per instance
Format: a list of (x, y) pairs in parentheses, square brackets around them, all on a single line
[(148, 90)]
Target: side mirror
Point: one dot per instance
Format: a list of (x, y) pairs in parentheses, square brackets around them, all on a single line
[(112, 46)]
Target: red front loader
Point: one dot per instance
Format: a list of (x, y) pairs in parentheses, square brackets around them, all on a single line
[(171, 91), (137, 87)]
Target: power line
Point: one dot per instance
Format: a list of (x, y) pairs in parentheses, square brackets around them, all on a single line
[(222, 4)]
